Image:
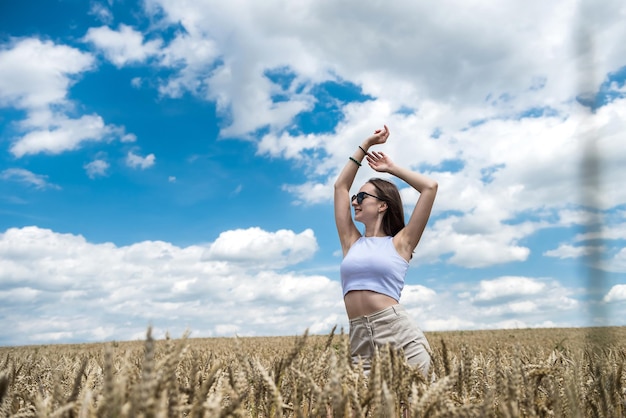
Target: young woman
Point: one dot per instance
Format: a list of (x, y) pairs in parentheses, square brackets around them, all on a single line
[(375, 263)]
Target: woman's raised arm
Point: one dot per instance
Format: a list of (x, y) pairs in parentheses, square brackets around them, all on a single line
[(407, 239), (347, 230)]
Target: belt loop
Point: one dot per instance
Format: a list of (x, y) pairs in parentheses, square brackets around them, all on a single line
[(394, 309)]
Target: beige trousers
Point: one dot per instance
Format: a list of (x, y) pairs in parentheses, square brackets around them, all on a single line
[(391, 326)]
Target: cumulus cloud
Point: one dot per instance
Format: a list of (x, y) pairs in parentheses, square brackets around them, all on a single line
[(254, 245), (616, 263), (613, 228), (512, 302), (616, 294), (86, 291), (136, 161), (41, 90), (124, 46), (228, 62), (194, 59), (503, 302), (506, 71), (507, 287), (28, 86), (54, 133), (570, 251), (96, 168), (417, 294)]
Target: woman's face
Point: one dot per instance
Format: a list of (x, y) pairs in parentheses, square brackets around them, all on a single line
[(369, 205)]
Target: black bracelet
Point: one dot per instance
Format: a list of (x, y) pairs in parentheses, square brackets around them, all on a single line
[(363, 150), (357, 163)]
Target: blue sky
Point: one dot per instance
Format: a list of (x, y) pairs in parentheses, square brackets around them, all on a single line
[(170, 163)]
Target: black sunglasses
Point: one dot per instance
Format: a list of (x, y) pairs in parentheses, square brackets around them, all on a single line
[(361, 195)]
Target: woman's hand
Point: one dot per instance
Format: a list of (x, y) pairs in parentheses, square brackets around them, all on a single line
[(380, 136), (379, 161)]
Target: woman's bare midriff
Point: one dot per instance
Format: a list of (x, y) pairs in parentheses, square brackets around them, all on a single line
[(366, 302)]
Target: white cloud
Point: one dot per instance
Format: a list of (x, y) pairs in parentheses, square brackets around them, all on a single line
[(101, 12), (570, 251), (617, 263), (310, 193), (522, 307), (96, 168), (124, 46), (58, 133), (89, 292), (526, 299), (136, 82), (506, 287), (417, 295), (254, 245), (612, 229), (194, 57), (506, 302), (38, 181), (499, 303), (317, 42), (226, 61), (41, 90), (128, 137), (155, 282), (616, 294), (136, 161), (449, 323), (29, 86)]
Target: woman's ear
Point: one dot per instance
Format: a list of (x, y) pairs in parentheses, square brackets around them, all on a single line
[(383, 207)]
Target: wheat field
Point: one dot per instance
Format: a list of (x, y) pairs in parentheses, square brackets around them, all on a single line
[(505, 373)]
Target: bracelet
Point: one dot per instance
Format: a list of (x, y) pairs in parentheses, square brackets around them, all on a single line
[(357, 163), (363, 149)]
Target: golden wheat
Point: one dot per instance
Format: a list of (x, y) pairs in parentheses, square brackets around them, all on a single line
[(531, 373)]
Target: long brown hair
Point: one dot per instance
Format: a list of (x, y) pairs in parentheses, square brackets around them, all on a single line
[(393, 219)]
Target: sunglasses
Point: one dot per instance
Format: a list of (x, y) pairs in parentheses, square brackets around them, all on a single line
[(361, 195)]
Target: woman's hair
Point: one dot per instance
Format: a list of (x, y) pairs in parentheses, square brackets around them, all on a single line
[(393, 219)]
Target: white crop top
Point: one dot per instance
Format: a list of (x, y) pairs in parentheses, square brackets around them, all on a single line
[(373, 263)]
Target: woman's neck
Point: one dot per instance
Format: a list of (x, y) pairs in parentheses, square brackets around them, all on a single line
[(374, 228), (378, 232)]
